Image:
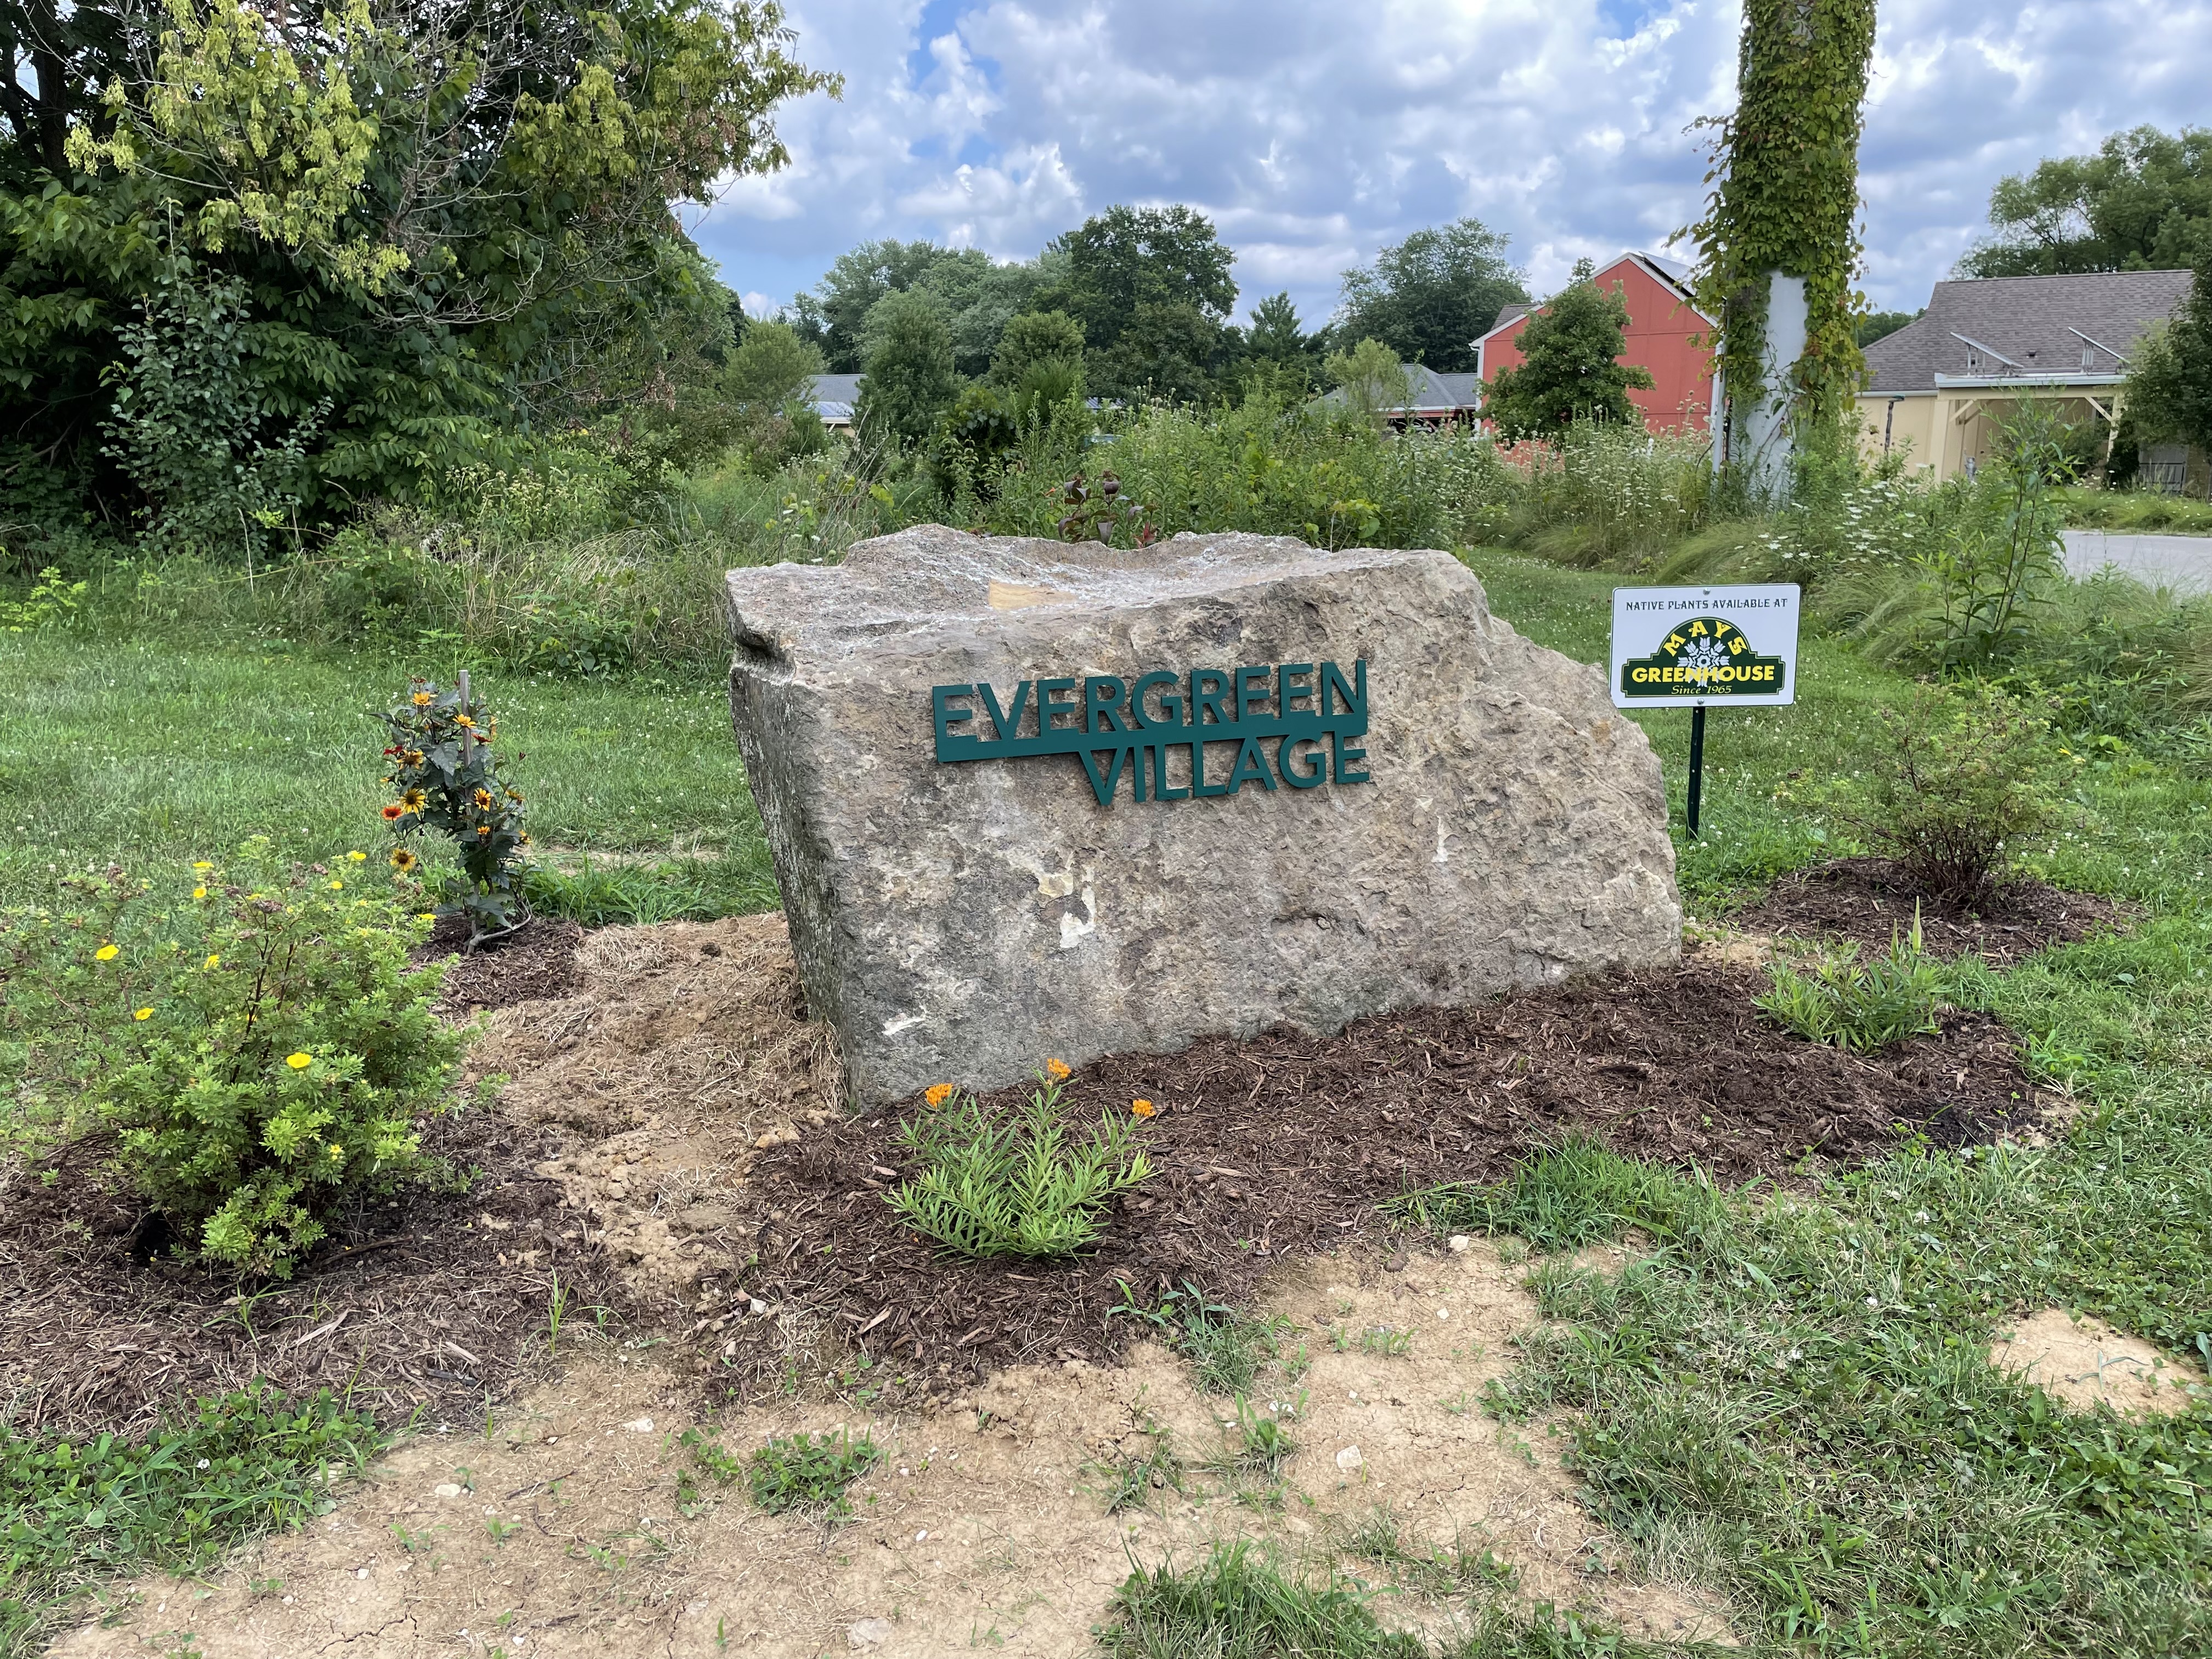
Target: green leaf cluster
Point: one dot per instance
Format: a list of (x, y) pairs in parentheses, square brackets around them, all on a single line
[(1014, 1181), (259, 1044), (810, 1472), (425, 233)]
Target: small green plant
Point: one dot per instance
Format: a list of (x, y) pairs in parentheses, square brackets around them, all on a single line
[(1012, 1182), (709, 1455), (810, 1472), (51, 603), (1864, 1008), (1263, 1445), (1225, 1349), (1131, 1480), (1962, 779), (255, 1037), (441, 755)]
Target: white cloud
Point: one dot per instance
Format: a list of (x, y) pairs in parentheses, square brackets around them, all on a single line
[(1313, 133)]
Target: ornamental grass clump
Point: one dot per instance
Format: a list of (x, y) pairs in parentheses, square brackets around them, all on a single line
[(1013, 1180), (253, 1037), (446, 779)]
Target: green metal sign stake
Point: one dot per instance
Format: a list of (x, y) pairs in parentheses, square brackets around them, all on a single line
[(1696, 763)]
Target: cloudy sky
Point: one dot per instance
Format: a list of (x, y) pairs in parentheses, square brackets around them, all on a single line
[(1313, 131)]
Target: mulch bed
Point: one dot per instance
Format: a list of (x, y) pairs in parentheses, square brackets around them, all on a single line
[(438, 1300), (536, 962), (1869, 900), (1284, 1144)]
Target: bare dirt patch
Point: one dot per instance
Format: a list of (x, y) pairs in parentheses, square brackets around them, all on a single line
[(2086, 1363), (1284, 1146), (989, 1524), (1870, 901)]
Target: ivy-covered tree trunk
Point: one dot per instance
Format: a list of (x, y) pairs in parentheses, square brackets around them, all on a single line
[(1778, 244)]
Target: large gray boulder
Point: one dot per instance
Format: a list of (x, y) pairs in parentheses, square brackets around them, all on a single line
[(1445, 811)]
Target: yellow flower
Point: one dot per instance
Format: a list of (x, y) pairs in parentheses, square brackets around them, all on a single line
[(213, 962), (199, 892), (203, 864), (483, 799), (938, 1093), (427, 915), (299, 1063), (356, 857), (423, 700), (142, 1013), (1143, 1108), (413, 801), (336, 885), (107, 952), (402, 860), (463, 719), (1056, 1070)]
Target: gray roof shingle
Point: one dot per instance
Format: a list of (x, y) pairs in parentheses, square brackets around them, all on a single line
[(2029, 320)]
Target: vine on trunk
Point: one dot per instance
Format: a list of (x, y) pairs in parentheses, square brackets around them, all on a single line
[(1785, 198)]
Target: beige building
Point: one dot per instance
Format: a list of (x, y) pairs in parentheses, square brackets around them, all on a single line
[(1939, 387)]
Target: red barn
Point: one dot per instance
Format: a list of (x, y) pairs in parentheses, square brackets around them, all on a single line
[(1664, 329)]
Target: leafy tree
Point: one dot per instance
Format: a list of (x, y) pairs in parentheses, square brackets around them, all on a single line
[(766, 378), (1372, 380), (1880, 325), (1151, 287), (2143, 201), (1034, 338), (1278, 337), (1432, 295), (1570, 365), (770, 366), (909, 380), (834, 315), (442, 226), (2168, 393)]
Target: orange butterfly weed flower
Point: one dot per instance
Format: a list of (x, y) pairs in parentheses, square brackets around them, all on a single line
[(1143, 1109), (1056, 1070), (938, 1093)]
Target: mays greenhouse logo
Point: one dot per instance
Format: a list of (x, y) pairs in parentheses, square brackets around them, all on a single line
[(1699, 645)]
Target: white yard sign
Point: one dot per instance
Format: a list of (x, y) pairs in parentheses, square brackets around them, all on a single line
[(1690, 645)]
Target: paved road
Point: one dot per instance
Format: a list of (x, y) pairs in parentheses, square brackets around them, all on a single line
[(2183, 563)]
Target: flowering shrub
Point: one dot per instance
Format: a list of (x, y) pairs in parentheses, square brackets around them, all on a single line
[(255, 1038), (442, 768), (1013, 1182)]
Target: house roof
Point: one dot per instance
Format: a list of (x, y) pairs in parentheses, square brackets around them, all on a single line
[(2076, 328), (835, 395), (1670, 274), (1433, 393)]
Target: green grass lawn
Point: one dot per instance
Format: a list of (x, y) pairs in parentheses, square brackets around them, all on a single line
[(141, 752)]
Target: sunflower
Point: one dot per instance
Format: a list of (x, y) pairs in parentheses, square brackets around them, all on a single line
[(394, 813), (402, 860), (423, 700), (482, 799), (414, 800)]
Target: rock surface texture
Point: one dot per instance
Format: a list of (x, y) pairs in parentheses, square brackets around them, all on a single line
[(1491, 822)]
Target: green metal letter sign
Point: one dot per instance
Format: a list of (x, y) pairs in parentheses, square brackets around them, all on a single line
[(1174, 737)]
